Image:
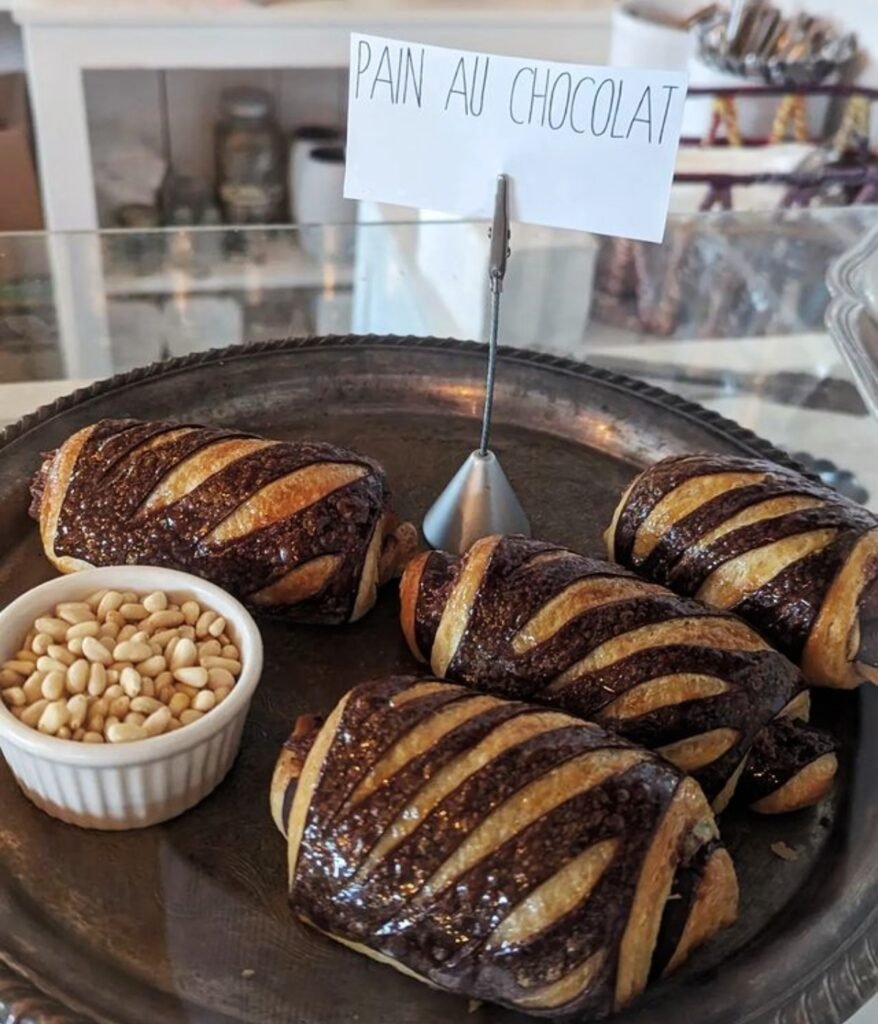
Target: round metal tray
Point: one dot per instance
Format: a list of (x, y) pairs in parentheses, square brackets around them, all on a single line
[(188, 922)]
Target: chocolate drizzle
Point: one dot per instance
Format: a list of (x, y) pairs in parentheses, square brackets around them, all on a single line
[(444, 934), (782, 750), (104, 517), (784, 607), (439, 573), (517, 584)]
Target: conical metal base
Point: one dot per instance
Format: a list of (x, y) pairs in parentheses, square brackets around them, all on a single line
[(477, 502)]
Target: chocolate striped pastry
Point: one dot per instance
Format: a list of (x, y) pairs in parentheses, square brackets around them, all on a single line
[(303, 527), (794, 558), (497, 850), (533, 621)]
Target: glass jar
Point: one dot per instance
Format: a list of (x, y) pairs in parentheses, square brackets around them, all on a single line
[(250, 169)]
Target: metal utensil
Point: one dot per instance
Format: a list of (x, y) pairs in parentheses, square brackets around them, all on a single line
[(479, 500)]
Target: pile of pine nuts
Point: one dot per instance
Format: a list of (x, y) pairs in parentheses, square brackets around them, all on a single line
[(117, 667)]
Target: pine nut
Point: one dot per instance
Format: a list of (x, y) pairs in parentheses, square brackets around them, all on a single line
[(204, 623), (178, 704), (217, 627), (145, 705), (61, 654), (32, 713), (163, 620), (109, 603), (120, 706), (77, 676), (229, 664), (97, 679), (191, 676), (14, 697), (156, 602), (191, 612), (78, 708), (47, 664), (83, 629), (158, 721), (95, 651), (204, 701), (131, 650), (117, 662), (9, 678), (54, 716), (133, 611), (124, 732), (153, 666), (40, 643), (53, 685), (23, 668), (33, 688), (218, 678), (163, 637), (74, 613), (185, 653), (129, 680), (56, 628)]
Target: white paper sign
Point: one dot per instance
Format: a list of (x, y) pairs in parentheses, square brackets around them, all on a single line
[(584, 147)]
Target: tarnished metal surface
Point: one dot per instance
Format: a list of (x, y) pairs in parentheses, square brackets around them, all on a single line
[(188, 922)]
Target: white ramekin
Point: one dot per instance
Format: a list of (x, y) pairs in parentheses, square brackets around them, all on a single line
[(128, 785)]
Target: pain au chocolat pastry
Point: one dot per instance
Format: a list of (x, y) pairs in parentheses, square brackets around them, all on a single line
[(792, 557), (534, 621), (302, 527), (497, 850)]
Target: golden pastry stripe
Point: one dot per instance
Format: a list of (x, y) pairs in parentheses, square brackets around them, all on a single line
[(556, 896), (504, 737), (684, 499), (696, 631), (424, 736), (829, 650), (580, 596), (688, 809), (735, 579), (191, 473), (298, 584), (771, 508), (566, 989), (696, 752), (528, 805), (459, 606), (662, 692), (284, 497)]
